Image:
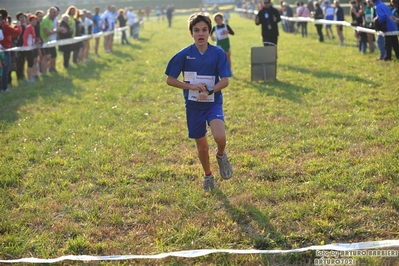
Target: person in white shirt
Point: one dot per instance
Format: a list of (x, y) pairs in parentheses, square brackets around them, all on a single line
[(131, 19), (109, 21)]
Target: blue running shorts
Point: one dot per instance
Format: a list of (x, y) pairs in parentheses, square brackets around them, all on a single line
[(198, 119)]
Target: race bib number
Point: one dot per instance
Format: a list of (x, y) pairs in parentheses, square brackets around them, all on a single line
[(193, 78)]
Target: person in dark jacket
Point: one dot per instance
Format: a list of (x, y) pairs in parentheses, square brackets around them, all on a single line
[(122, 23), (268, 17), (169, 14), (318, 14), (66, 49), (21, 17), (339, 16)]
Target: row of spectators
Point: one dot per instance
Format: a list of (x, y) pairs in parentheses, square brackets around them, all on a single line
[(373, 15), (362, 13), (369, 14), (31, 30), (313, 9)]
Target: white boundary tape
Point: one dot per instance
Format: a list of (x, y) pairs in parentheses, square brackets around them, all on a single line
[(333, 22), (68, 41), (204, 252), (325, 22)]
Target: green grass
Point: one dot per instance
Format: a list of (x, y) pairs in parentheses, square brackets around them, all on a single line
[(97, 161)]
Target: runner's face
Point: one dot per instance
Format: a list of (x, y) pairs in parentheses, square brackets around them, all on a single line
[(219, 20), (200, 33)]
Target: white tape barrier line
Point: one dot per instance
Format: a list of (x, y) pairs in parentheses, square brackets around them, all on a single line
[(204, 252), (326, 22), (67, 41), (333, 22)]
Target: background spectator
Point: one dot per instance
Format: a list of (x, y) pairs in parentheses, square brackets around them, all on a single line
[(169, 14), (66, 49), (339, 16), (383, 18), (8, 33), (268, 17), (329, 15), (122, 23), (318, 14), (19, 42), (30, 40), (131, 19), (96, 28)]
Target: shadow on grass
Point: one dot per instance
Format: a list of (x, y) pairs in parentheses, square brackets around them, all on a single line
[(257, 227), (254, 223), (280, 89), (131, 44), (328, 74), (52, 88), (143, 40), (124, 56), (90, 70)]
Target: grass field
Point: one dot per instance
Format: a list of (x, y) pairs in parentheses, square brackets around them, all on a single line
[(97, 161)]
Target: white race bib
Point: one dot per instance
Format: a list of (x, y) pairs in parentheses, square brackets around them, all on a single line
[(193, 78)]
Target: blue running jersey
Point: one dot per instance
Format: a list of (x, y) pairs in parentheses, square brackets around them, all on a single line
[(191, 63)]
